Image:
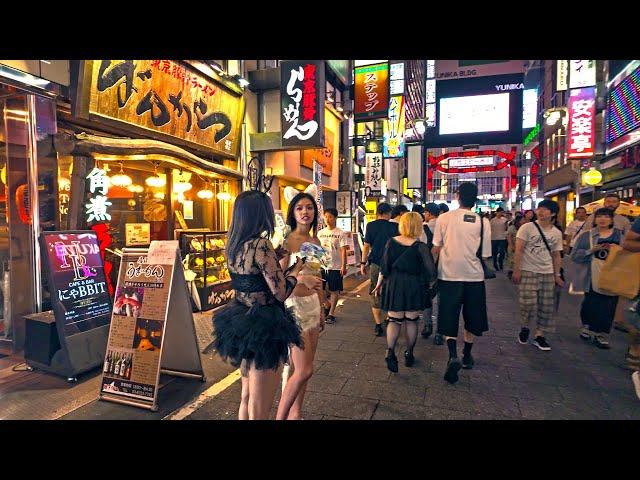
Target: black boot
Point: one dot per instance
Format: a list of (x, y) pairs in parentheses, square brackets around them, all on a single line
[(392, 361)]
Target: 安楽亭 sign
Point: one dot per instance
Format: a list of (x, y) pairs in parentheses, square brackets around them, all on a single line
[(582, 109)]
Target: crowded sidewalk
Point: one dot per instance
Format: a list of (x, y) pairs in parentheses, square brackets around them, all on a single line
[(509, 381)]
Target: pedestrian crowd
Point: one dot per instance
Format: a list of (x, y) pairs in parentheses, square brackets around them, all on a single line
[(429, 264)]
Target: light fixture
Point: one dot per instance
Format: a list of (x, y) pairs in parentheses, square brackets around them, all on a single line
[(156, 180), (225, 196), (216, 67), (159, 195), (121, 179), (339, 107), (420, 125), (206, 193), (181, 186), (243, 82), (135, 188)]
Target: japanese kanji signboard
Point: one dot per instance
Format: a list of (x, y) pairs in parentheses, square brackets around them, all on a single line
[(371, 91), (582, 109), (302, 92), (373, 174), (393, 146), (166, 97)]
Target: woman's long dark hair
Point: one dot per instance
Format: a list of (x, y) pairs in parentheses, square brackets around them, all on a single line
[(252, 216), (291, 218)]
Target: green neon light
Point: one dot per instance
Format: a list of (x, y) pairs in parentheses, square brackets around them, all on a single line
[(532, 134)]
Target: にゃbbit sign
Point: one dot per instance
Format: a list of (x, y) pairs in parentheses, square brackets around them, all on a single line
[(302, 93), (78, 286)]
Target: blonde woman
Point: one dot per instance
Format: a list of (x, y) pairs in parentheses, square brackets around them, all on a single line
[(406, 273)]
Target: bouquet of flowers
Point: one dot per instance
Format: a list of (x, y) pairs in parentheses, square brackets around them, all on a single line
[(315, 256)]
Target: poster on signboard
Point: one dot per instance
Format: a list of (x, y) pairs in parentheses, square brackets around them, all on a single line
[(137, 327), (151, 326), (344, 200)]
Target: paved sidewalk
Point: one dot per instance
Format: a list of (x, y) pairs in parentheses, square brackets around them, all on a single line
[(509, 381)]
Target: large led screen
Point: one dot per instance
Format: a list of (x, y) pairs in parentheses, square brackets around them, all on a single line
[(477, 113), (482, 110)]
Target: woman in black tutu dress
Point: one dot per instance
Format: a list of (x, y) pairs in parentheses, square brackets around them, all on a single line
[(406, 273), (254, 331)]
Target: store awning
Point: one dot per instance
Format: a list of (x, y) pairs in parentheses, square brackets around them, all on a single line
[(621, 182), (90, 145)]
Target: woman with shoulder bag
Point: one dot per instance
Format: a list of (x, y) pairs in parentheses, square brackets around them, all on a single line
[(598, 309), (406, 272)]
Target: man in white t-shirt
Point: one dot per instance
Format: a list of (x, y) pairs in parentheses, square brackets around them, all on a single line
[(499, 238), (537, 270), (576, 227), (456, 242), (334, 240)]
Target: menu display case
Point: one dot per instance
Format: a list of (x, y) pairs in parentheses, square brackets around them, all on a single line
[(204, 253)]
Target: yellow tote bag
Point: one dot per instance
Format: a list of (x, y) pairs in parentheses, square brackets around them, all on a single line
[(620, 274)]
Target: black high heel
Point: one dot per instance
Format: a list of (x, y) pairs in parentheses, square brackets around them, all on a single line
[(409, 359)]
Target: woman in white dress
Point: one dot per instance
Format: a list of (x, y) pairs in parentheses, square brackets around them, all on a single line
[(302, 217)]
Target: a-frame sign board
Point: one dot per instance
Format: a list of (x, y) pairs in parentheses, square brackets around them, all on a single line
[(152, 329)]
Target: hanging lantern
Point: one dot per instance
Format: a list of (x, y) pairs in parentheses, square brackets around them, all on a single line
[(225, 196), (120, 179), (156, 181), (135, 188), (181, 185)]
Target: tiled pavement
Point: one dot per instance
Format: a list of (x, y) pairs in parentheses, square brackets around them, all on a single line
[(509, 381)]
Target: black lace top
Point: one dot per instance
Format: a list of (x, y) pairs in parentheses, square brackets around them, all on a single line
[(257, 276)]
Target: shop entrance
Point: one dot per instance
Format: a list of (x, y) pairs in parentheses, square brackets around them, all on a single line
[(27, 123)]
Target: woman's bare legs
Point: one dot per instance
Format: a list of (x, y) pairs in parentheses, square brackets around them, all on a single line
[(295, 413), (243, 411), (302, 362), (262, 389)]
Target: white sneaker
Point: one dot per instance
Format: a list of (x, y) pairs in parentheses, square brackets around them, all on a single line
[(636, 383)]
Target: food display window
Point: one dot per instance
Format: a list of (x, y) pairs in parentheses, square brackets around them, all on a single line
[(206, 269)]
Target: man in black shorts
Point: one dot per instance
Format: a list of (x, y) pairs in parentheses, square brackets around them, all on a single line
[(376, 237), (460, 277), (335, 241)]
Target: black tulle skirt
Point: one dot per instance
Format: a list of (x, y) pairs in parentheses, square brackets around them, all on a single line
[(261, 334)]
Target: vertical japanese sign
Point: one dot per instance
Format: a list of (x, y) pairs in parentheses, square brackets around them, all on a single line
[(78, 285), (302, 92), (132, 362), (371, 91), (168, 98), (373, 174), (562, 75), (393, 146), (317, 179), (96, 209), (582, 109), (582, 73)]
